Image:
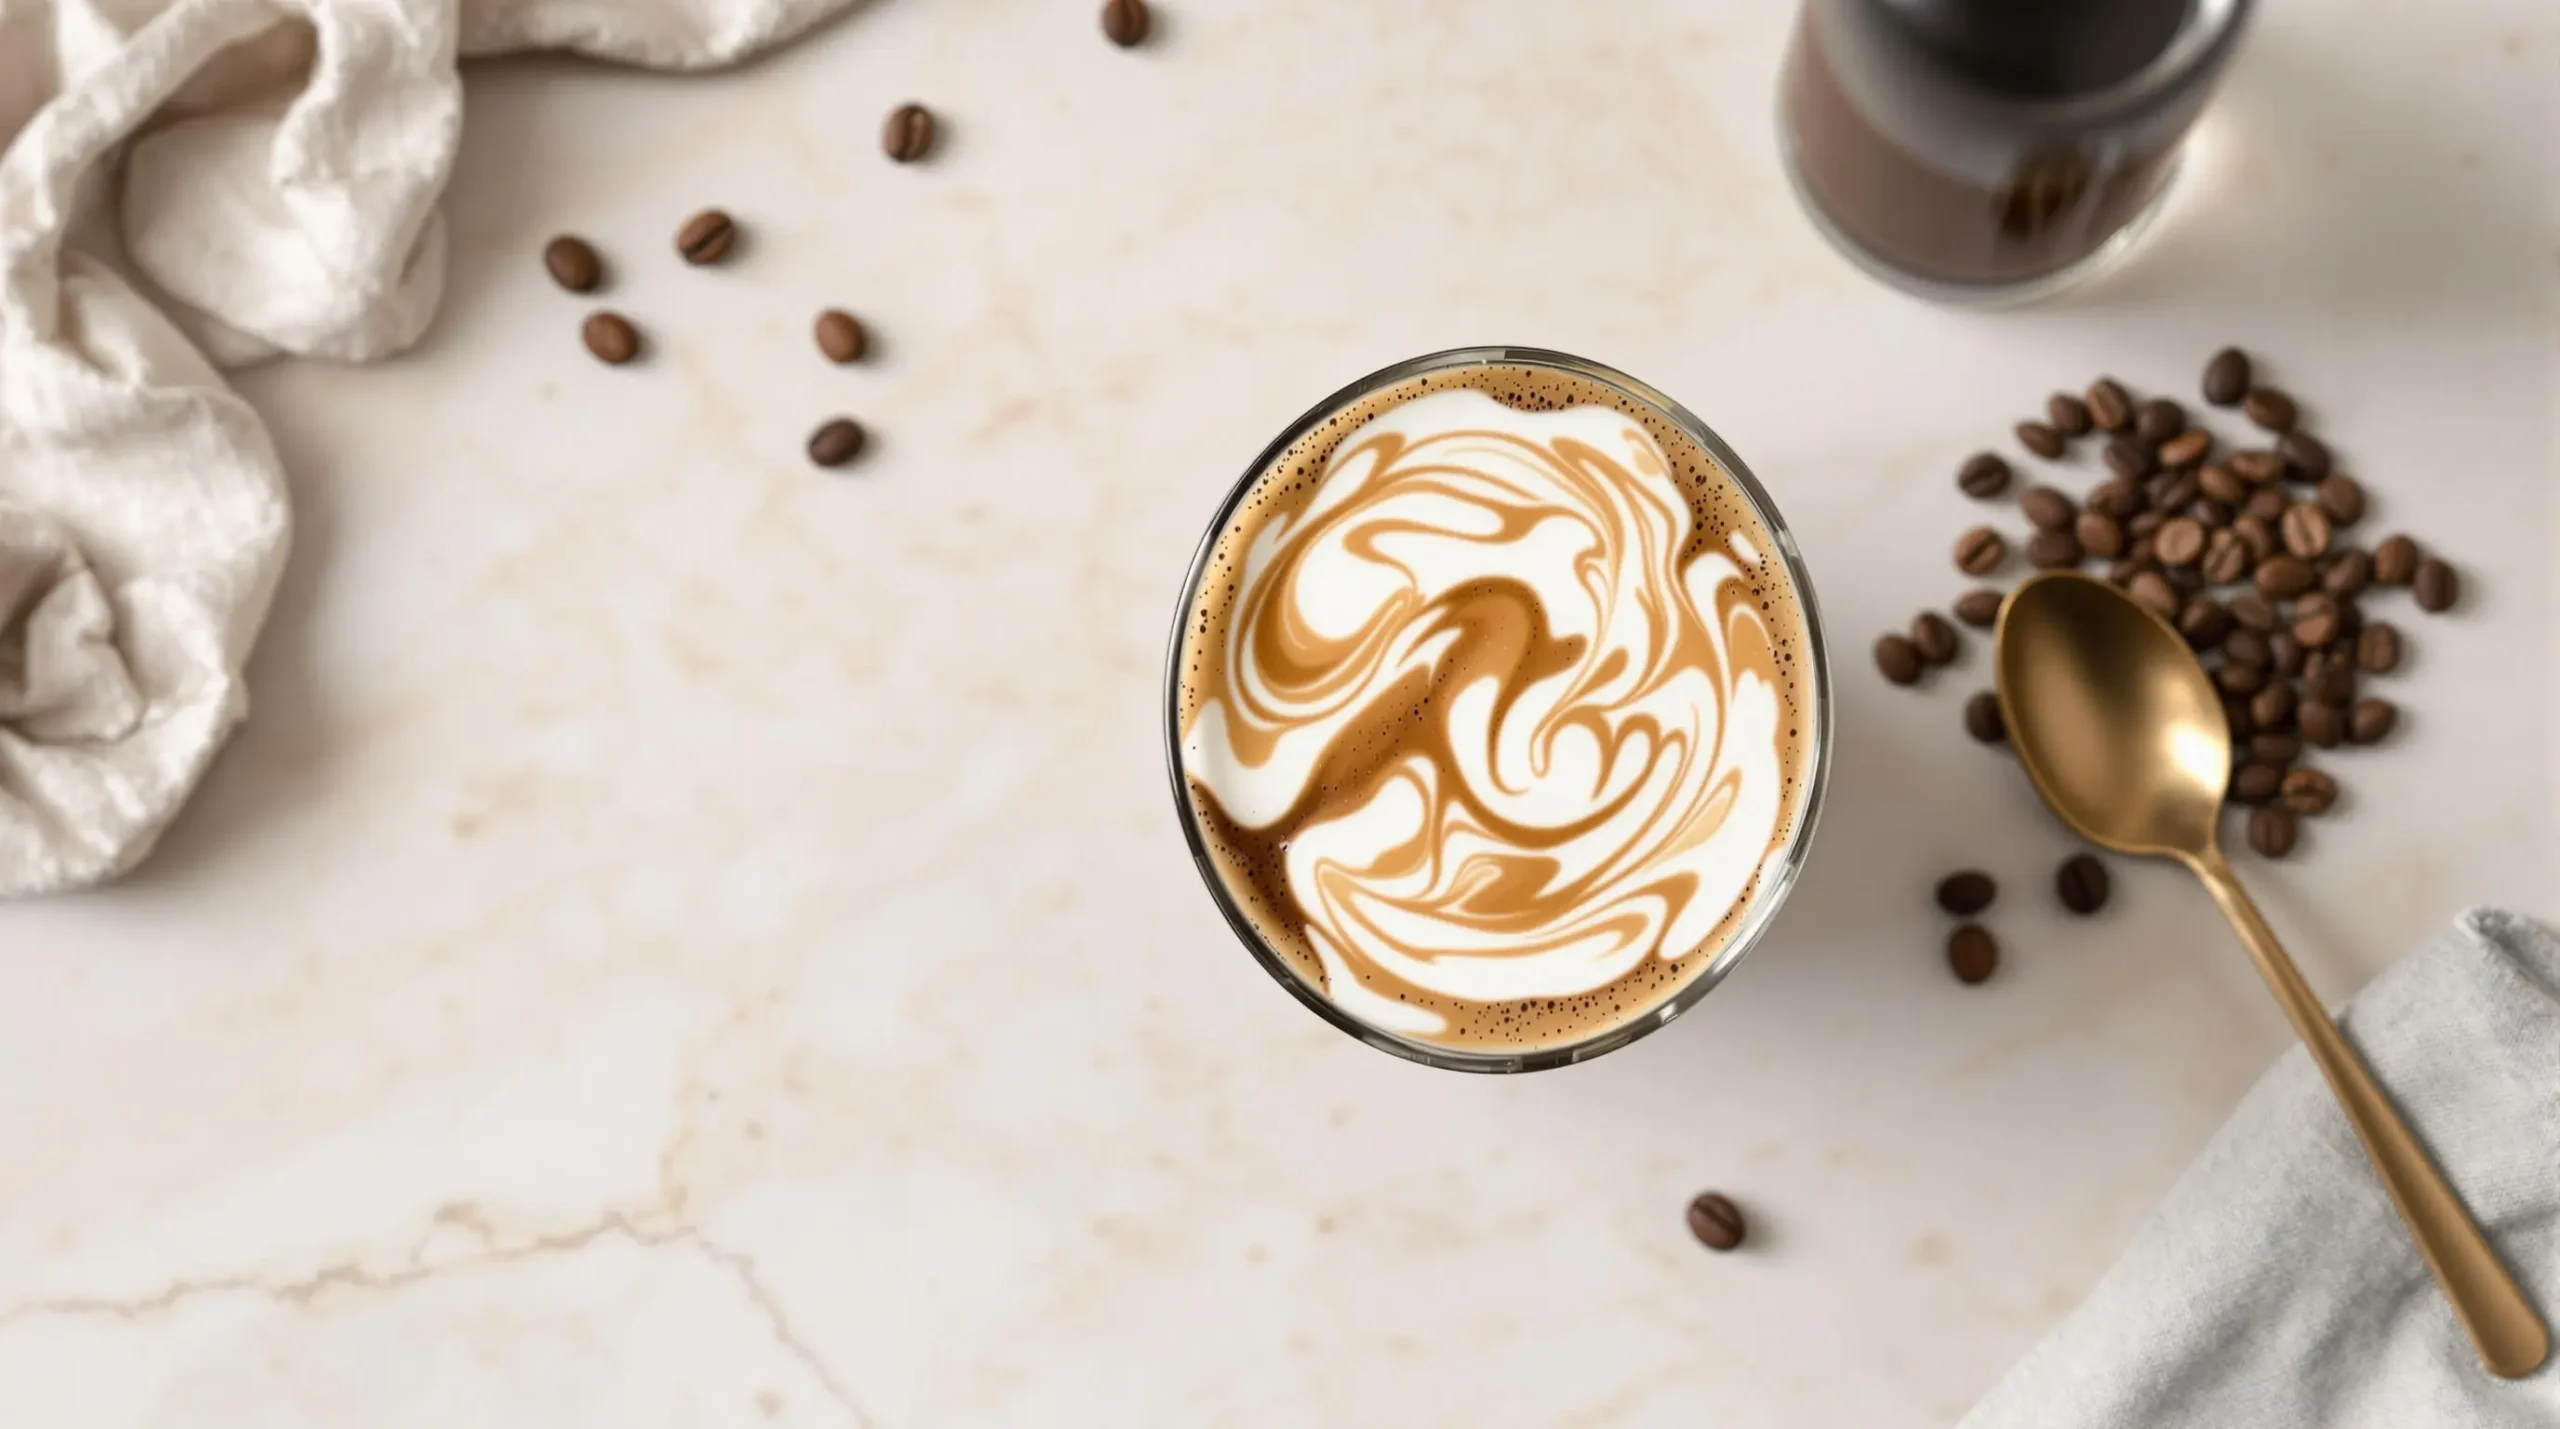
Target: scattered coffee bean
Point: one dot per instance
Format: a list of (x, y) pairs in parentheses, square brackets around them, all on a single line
[(837, 442), (1972, 954), (611, 337), (2251, 611), (2108, 406), (2370, 721), (2082, 884), (2222, 484), (2180, 542), (1933, 637), (1125, 22), (2143, 526), (2187, 448), (2266, 504), (2285, 576), (2238, 677), (2046, 509), (2306, 457), (2284, 654), (2395, 561), (2044, 441), (2159, 419), (2324, 725), (1982, 717), (2244, 645), (2131, 457), (1713, 1218), (2270, 409), (2119, 499), (2152, 592), (2308, 791), (1984, 474), (2275, 748), (2342, 496), (2226, 377), (2067, 414), (840, 336), (2213, 514), (2346, 572), (2315, 627), (2205, 622), (2272, 830), (2099, 535), (1896, 657), (2053, 550), (2254, 783), (2332, 684), (706, 237), (2436, 585), (907, 135), (2378, 648), (2226, 558), (1967, 892), (573, 264), (1979, 607), (2120, 573), (2173, 492), (2272, 708), (2258, 468), (2305, 529), (1980, 551)]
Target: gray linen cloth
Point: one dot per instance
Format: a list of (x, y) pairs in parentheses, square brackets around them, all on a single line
[(2275, 1286)]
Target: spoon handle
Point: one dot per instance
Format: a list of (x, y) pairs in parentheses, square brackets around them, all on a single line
[(2511, 1338)]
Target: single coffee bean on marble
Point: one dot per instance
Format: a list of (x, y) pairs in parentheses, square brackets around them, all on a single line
[(1933, 637), (2099, 535), (2152, 592), (907, 134), (2254, 783), (2306, 457), (2395, 561), (2371, 719), (840, 336), (2212, 513), (611, 337), (706, 237), (1972, 954), (2305, 529), (2275, 747), (2046, 508), (2243, 645), (2109, 407), (2307, 791), (2346, 572), (2285, 576), (1980, 551), (2342, 496), (2273, 707), (2226, 377), (2271, 409), (2222, 484), (2238, 677), (2266, 503), (2159, 419), (837, 442), (2119, 499), (2258, 468), (2067, 414), (2226, 558), (2082, 884), (2378, 648), (2253, 611), (572, 263), (1982, 717), (2186, 448), (2284, 654), (1979, 607), (2181, 542), (2044, 441), (2322, 725), (1966, 892), (1124, 22), (1896, 657), (2436, 586), (2272, 830), (1714, 1219), (2130, 457), (1983, 475), (2053, 550), (2205, 622)]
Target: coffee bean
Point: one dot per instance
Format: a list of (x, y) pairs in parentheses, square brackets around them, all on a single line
[(2378, 648), (2173, 492), (1984, 474), (1125, 22), (2284, 654), (1714, 1219), (706, 237), (1933, 637), (2275, 748), (2436, 585), (2273, 707), (2099, 535), (2306, 457), (2131, 457), (2270, 409), (2067, 414), (2108, 406), (2244, 646), (2254, 783), (2342, 496), (1980, 551), (2144, 525), (2257, 468), (2238, 677), (2284, 576), (2370, 721), (840, 336), (2316, 628), (2082, 884), (2307, 791), (2053, 550), (1979, 608), (2395, 561), (2181, 542), (837, 442), (1972, 954), (907, 135), (2324, 725), (2226, 558), (2212, 513), (611, 337), (1967, 892), (2187, 448), (2120, 573), (2205, 622), (2235, 712), (2251, 611), (1982, 717), (2305, 529), (2183, 580), (2159, 419), (2266, 503), (1896, 656), (2222, 484), (2119, 499), (573, 264), (2046, 509), (2152, 592), (2272, 830), (2226, 377), (2332, 684), (2044, 441), (2346, 572)]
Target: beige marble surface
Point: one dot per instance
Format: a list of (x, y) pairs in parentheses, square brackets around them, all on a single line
[(687, 940)]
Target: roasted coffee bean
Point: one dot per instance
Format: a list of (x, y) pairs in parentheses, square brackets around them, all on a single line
[(2183, 580), (2146, 524), (2226, 377), (2275, 748), (2342, 496), (1984, 474), (2316, 628), (2324, 725), (2332, 684), (2152, 592), (2226, 558), (1979, 608), (2204, 622), (2270, 409), (1982, 717), (1896, 656), (1933, 637), (1967, 892), (2272, 830), (2266, 503), (2159, 419), (2053, 550), (2235, 712), (2212, 513), (572, 263), (2236, 677), (1980, 551), (2284, 576), (2067, 414), (2251, 611), (837, 442), (2378, 648), (2118, 499), (2044, 441), (2108, 406), (2255, 783), (1972, 953), (2186, 448), (2131, 457), (2180, 542), (611, 337), (2272, 708), (2436, 586), (706, 237), (2305, 529), (2258, 468), (1125, 22), (2284, 654), (2346, 572), (907, 134), (2244, 646), (2395, 561), (2121, 573), (2306, 457), (840, 336), (2307, 791), (2099, 535), (2082, 884), (2046, 508), (2174, 492), (2222, 484), (1714, 1219), (2256, 537), (2370, 721)]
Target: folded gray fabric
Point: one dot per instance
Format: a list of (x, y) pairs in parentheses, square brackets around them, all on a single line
[(2275, 1286)]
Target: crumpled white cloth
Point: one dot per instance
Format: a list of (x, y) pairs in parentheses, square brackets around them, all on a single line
[(2275, 1287), (186, 183)]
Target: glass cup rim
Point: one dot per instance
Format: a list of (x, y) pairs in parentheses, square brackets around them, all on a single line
[(1777, 876)]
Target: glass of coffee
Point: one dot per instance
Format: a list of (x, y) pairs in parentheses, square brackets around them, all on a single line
[(1497, 711)]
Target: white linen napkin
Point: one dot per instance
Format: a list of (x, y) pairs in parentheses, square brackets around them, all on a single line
[(283, 200), (2275, 1287)]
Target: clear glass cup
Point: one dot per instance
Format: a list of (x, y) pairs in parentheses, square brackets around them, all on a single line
[(1777, 874)]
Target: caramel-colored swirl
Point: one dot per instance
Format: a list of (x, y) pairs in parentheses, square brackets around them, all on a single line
[(1507, 729)]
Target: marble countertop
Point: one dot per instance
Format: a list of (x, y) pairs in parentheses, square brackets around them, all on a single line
[(686, 939)]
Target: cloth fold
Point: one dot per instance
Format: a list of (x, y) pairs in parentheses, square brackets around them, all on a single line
[(2276, 1287), (269, 169)]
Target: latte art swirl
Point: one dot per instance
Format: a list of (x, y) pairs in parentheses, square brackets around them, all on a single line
[(1506, 722)]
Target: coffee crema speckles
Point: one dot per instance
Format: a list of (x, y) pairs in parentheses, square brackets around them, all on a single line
[(1495, 705)]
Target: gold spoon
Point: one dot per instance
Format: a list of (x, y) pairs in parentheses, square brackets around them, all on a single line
[(2124, 735)]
